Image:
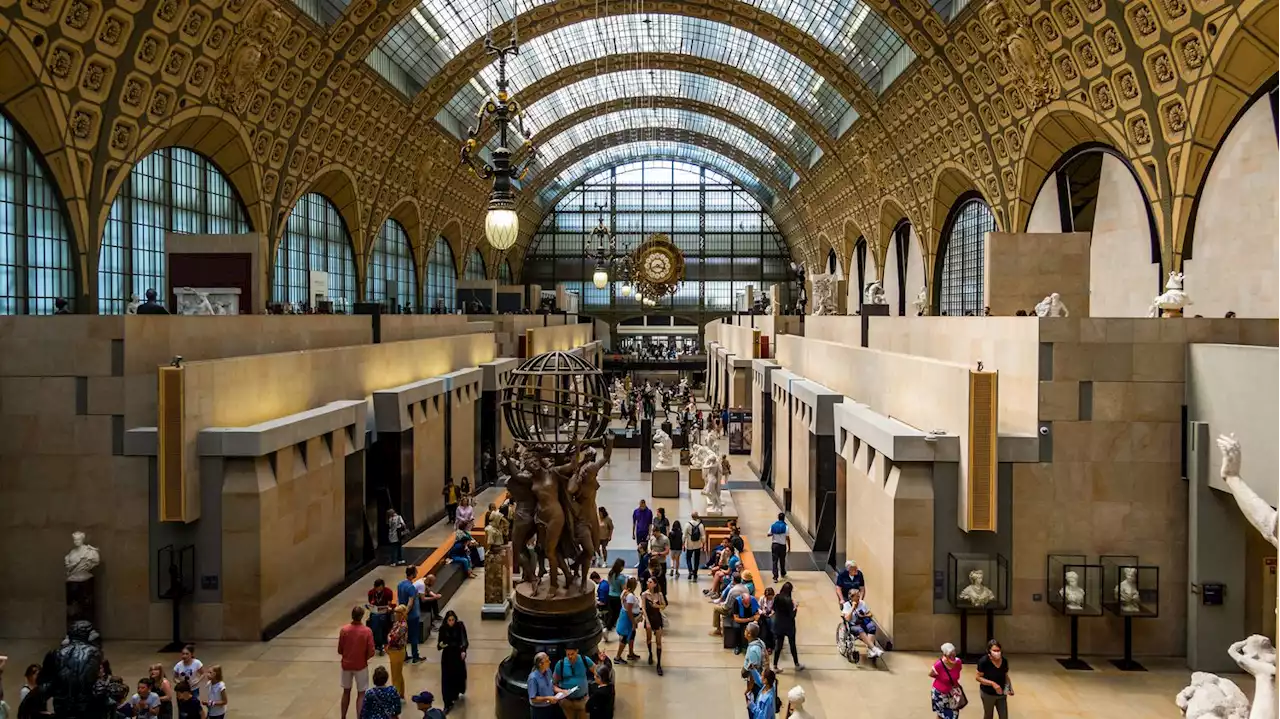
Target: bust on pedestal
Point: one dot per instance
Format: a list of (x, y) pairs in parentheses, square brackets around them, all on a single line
[(79, 563)]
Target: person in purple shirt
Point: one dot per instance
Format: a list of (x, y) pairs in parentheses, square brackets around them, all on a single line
[(641, 520)]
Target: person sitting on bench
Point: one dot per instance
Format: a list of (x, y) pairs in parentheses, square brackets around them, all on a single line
[(723, 606)]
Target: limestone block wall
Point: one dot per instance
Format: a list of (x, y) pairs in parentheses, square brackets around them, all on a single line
[(398, 328), (801, 499), (276, 525), (741, 340), (781, 444), (1021, 269), (1122, 277), (739, 385), (463, 434), (839, 329), (1111, 394), (562, 337), (428, 470), (889, 533)]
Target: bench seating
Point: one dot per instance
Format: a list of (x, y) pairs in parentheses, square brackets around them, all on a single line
[(712, 537), (449, 576)]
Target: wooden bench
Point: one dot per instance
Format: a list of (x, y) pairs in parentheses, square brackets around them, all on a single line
[(712, 537), (449, 576)]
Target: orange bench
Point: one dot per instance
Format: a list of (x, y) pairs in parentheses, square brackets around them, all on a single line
[(436, 559), (712, 537)]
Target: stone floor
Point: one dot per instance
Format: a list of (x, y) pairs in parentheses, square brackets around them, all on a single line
[(296, 674)]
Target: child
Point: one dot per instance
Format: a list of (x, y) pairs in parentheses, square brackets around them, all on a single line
[(190, 669), (217, 692), (188, 707), (145, 703)]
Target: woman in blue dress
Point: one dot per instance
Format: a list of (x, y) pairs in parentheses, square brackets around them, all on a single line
[(628, 619)]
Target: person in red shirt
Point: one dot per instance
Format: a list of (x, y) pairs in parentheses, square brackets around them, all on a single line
[(355, 646)]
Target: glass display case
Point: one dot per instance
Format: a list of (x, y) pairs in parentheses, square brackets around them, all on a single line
[(977, 582), (1130, 589), (1075, 587)]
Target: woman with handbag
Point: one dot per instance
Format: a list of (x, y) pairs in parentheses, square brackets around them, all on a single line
[(993, 678), (947, 695)]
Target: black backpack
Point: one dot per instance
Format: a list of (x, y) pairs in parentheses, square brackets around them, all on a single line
[(695, 532)]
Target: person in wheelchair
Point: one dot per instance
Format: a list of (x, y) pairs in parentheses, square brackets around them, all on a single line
[(860, 623)]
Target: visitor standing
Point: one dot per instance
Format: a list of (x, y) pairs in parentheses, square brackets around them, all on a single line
[(675, 538), (382, 701), (655, 602), (397, 640), (159, 685), (779, 545), (784, 625), (407, 595), (450, 494), (766, 619), (189, 669), (186, 706), (993, 680), (762, 695), (572, 673), (397, 533), (947, 696), (381, 599), (602, 602), (641, 520), (617, 583), (452, 643), (850, 578), (693, 546), (659, 551), (544, 695), (606, 535), (661, 522), (218, 699), (355, 646), (602, 694), (756, 661), (628, 619)]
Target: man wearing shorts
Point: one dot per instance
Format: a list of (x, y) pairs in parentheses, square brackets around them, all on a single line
[(355, 646)]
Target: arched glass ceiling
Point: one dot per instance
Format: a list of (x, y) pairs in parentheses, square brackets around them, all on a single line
[(601, 89), (435, 31), (638, 120), (673, 34), (611, 156)]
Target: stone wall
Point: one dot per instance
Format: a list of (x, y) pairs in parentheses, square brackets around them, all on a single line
[(398, 328), (1021, 269), (801, 496), (428, 453), (557, 337)]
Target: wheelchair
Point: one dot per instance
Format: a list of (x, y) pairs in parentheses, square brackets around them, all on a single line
[(847, 644)]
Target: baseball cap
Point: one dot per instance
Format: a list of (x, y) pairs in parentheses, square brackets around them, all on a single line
[(423, 697)]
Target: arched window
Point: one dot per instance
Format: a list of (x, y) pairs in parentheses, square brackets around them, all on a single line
[(315, 240), (392, 276), (504, 273), (442, 278), (35, 239), (475, 267), (901, 254), (171, 190), (959, 275)]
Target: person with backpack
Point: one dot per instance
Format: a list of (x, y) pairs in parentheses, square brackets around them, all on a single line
[(571, 674), (676, 538), (397, 533), (693, 546)]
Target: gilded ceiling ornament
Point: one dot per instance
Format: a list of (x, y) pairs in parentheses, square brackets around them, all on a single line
[(81, 124), (112, 29), (1192, 52), (252, 46), (1128, 85), (1103, 98), (1142, 19), (1067, 11), (132, 95), (1176, 8), (1176, 115), (60, 63), (1162, 68), (1088, 54), (1068, 68), (77, 16), (1020, 49), (1141, 130), (149, 49), (1111, 41), (1047, 29)]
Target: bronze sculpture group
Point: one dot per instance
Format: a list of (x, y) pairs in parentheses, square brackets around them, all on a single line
[(555, 506)]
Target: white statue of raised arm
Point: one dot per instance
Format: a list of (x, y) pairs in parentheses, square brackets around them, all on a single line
[(1257, 510)]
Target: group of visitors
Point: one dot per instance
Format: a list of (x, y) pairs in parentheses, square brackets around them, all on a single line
[(357, 645), (579, 686), (947, 695)]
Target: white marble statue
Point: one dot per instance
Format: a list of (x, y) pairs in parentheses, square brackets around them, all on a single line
[(1210, 695), (1073, 593), (1052, 306), (134, 304), (81, 560), (796, 699), (874, 294), (662, 445), (921, 302), (1171, 303), (194, 302), (713, 478), (1126, 592), (824, 296), (977, 594)]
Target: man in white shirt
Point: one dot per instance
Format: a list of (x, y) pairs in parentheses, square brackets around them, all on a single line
[(694, 534)]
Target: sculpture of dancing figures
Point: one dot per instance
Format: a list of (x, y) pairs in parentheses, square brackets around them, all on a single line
[(977, 594), (1052, 306), (921, 302), (1171, 303), (1073, 593), (1213, 696), (523, 525), (548, 482), (583, 489), (873, 294), (662, 445)]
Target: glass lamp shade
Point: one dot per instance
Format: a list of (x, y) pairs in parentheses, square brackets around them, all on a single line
[(501, 227), (600, 279), (626, 290)]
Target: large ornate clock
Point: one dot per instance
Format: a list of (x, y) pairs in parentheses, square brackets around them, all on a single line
[(659, 267)]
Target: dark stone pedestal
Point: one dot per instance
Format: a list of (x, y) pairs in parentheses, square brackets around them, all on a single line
[(80, 602), (542, 626)]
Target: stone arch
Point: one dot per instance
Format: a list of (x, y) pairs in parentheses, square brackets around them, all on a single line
[(336, 183), (950, 182), (891, 213), (1052, 132), (223, 140), (408, 212), (37, 110), (452, 232)]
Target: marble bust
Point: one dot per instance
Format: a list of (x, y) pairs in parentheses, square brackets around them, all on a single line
[(1126, 592), (977, 594), (81, 560), (1073, 593)]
